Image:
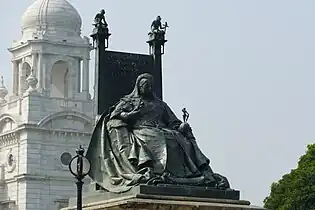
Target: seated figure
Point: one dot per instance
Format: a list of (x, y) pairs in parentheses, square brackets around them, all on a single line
[(100, 22), (157, 28), (141, 141)]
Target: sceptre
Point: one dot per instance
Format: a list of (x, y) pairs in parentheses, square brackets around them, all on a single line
[(165, 26)]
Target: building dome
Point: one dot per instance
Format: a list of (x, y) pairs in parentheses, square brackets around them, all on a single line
[(56, 17)]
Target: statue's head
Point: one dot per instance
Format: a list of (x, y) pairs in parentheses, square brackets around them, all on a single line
[(145, 84), (103, 12), (158, 18)]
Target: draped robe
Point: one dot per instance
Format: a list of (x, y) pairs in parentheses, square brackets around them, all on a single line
[(126, 153)]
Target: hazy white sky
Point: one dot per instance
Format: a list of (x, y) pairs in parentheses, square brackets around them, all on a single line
[(244, 69)]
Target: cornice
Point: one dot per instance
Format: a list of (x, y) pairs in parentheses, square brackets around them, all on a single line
[(12, 137), (54, 131), (18, 46), (55, 43), (23, 177)]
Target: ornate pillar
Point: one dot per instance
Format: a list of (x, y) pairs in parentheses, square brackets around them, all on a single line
[(15, 67), (85, 75)]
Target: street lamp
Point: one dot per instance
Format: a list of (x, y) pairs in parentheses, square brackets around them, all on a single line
[(79, 166)]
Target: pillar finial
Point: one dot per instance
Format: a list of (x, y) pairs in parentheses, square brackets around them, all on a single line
[(2, 81), (32, 82)]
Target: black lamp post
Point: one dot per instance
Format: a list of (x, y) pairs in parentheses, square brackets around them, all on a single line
[(79, 166)]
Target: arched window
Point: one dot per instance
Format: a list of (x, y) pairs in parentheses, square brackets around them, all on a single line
[(26, 71), (59, 80), (7, 124)]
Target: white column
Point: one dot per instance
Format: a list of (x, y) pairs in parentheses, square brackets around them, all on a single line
[(39, 71), (79, 75), (20, 78), (47, 75), (15, 67), (85, 75), (34, 63), (73, 79), (2, 191)]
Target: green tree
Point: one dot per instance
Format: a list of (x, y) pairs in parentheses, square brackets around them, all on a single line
[(295, 190)]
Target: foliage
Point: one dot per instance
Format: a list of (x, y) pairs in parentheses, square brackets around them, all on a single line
[(295, 190)]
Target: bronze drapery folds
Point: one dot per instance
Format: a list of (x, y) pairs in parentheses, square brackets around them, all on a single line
[(141, 141)]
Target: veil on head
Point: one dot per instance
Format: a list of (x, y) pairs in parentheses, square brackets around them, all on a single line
[(135, 93)]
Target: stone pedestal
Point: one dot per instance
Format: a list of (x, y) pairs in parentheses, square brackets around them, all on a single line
[(165, 197)]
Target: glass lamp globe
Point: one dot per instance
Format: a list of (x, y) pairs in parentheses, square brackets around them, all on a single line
[(74, 166)]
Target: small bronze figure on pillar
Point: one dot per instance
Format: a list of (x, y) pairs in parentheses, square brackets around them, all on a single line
[(100, 31), (100, 23), (157, 36), (99, 20), (157, 28)]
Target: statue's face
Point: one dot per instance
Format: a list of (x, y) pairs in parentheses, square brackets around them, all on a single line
[(102, 12), (145, 86), (158, 18)]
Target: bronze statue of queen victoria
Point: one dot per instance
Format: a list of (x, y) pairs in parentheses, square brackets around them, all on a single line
[(141, 141)]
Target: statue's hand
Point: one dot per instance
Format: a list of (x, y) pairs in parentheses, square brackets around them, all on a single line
[(134, 114), (130, 115), (184, 128)]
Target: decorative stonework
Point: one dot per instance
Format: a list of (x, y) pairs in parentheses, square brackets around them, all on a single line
[(10, 162), (3, 91), (8, 139), (61, 123), (32, 82), (66, 117)]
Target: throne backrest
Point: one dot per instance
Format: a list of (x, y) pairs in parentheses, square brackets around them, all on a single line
[(120, 73)]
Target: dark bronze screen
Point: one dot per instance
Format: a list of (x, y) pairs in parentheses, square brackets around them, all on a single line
[(119, 75)]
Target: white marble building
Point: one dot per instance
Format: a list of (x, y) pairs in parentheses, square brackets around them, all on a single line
[(49, 111)]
